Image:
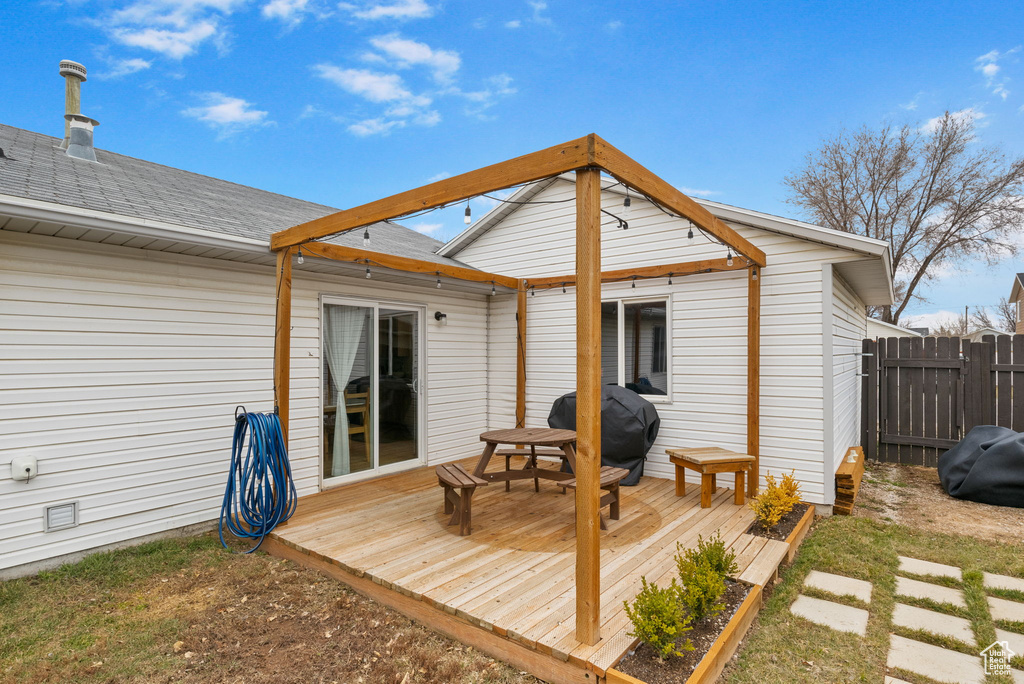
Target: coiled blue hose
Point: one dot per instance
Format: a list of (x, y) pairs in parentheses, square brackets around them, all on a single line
[(260, 493)]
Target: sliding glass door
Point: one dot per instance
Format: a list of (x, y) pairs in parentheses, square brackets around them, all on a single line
[(370, 388)]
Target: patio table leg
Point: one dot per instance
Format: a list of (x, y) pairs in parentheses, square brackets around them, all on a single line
[(705, 489), (738, 499), (533, 464), (680, 481), (714, 483)]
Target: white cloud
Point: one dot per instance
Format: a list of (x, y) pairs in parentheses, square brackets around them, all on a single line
[(613, 25), (288, 11), (427, 228), (495, 88), (988, 66), (968, 114), (378, 126), (173, 28), (699, 192), (406, 53), (913, 104), (539, 7), (399, 9), (226, 114), (125, 67), (439, 176), (514, 24), (932, 321), (370, 85)]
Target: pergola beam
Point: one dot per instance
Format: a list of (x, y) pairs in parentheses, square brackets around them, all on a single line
[(683, 268), (283, 337), (754, 378), (550, 162), (355, 255), (586, 152), (634, 175)]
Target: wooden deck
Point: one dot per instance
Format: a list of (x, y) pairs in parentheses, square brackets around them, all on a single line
[(514, 576)]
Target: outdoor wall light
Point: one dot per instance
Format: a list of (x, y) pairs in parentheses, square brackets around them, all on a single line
[(442, 318)]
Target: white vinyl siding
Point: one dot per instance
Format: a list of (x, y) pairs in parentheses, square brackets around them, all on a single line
[(120, 370), (708, 337), (849, 328)]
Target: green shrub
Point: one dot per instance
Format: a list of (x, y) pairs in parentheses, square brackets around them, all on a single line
[(702, 586), (777, 499), (658, 619), (713, 553)]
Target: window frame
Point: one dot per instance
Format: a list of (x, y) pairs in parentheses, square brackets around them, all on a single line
[(620, 309)]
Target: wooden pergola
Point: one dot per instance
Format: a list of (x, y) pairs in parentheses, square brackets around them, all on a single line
[(587, 157)]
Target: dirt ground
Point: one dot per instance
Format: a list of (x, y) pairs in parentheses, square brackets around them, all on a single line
[(912, 496)]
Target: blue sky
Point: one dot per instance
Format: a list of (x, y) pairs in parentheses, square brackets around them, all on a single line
[(345, 102)]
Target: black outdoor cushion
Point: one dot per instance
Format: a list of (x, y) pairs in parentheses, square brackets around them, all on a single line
[(986, 466)]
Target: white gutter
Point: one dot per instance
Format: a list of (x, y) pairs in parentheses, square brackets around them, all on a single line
[(51, 212)]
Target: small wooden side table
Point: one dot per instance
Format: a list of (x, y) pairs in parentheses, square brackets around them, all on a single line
[(709, 461)]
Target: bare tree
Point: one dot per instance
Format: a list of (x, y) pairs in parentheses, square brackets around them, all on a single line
[(953, 327), (937, 196), (981, 319), (1006, 315)]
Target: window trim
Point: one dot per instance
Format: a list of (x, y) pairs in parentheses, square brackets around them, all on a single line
[(620, 310)]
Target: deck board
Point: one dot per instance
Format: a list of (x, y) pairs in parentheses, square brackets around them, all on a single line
[(514, 575)]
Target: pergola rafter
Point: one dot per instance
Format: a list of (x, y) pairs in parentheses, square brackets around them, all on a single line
[(587, 157)]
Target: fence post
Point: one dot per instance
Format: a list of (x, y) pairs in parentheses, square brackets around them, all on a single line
[(869, 399)]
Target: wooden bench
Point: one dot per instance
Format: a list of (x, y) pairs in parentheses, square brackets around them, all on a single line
[(531, 460), (709, 461), (610, 478), (452, 476)]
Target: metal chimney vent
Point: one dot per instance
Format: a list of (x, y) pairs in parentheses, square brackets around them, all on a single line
[(61, 516), (69, 68), (80, 142)]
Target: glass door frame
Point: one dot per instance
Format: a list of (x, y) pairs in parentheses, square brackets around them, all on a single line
[(420, 311)]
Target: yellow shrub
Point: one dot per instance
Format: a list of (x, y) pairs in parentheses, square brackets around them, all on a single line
[(776, 500)]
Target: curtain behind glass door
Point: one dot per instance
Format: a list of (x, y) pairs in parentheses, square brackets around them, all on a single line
[(347, 424)]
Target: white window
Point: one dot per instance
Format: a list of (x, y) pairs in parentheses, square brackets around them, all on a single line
[(635, 344)]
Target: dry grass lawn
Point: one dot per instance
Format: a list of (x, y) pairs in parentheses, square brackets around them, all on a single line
[(186, 611)]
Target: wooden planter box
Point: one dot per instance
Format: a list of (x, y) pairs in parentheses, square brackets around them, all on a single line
[(713, 662)]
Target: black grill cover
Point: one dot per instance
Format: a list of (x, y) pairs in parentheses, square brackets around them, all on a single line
[(986, 466), (629, 425)]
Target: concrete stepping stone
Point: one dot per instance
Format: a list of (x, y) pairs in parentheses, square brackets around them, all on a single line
[(893, 680), (1017, 676), (913, 617), (1013, 640), (830, 614), (940, 664), (1003, 582), (1003, 609), (923, 567), (927, 590), (839, 585)]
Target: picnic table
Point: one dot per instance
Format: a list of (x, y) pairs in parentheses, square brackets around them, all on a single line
[(531, 438)]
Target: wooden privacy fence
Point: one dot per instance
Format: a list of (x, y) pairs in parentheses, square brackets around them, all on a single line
[(922, 395)]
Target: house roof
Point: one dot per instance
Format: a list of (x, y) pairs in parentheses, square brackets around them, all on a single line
[(871, 277), (894, 328), (1018, 285), (37, 172)]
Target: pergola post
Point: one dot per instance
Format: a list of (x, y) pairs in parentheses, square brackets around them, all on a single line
[(521, 354), (283, 337), (754, 377), (588, 405)]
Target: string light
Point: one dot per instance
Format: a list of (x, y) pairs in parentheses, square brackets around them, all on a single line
[(367, 269), (728, 258), (626, 204), (753, 274), (300, 259), (469, 216), (563, 288), (493, 290), (689, 236), (438, 280), (533, 290), (366, 237), (634, 282), (670, 278)]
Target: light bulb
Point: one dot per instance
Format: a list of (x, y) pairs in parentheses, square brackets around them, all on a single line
[(367, 272), (438, 281), (753, 275), (493, 290), (563, 288), (634, 282), (669, 278), (728, 259), (626, 203), (689, 236), (468, 219), (366, 238), (301, 260)]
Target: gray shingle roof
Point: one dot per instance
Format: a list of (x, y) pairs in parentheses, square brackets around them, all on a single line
[(39, 170)]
